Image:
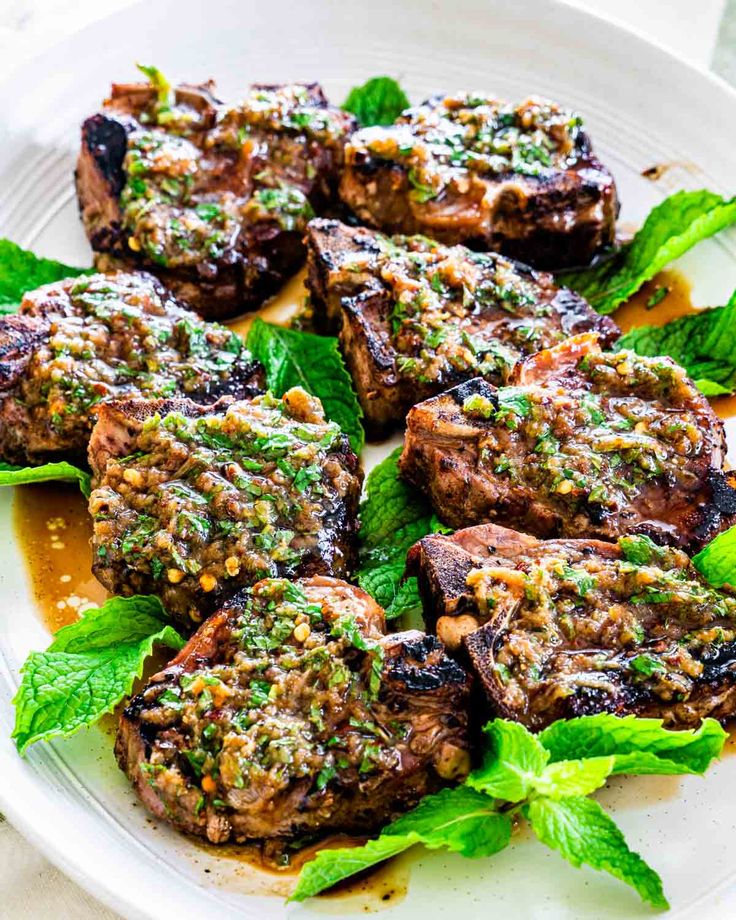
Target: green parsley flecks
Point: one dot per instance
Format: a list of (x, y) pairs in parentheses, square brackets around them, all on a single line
[(118, 336), (205, 503), (173, 212), (593, 448), (455, 313), (642, 622), (295, 700), (467, 133)]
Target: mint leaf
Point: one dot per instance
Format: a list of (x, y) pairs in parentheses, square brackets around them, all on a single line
[(22, 271), (406, 600), (58, 472), (392, 507), (382, 580), (511, 764), (460, 820), (671, 228), (393, 517), (379, 101), (710, 388), (646, 665), (638, 745), (88, 668), (516, 766), (457, 819), (716, 562), (332, 866), (299, 359), (574, 777), (703, 343), (581, 831)]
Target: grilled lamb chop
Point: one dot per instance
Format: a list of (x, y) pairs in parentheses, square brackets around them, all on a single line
[(518, 179), (79, 342), (416, 317), (563, 628), (193, 503), (581, 443), (211, 198), (290, 712)]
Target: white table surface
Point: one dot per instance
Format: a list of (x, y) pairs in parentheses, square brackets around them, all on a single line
[(703, 34)]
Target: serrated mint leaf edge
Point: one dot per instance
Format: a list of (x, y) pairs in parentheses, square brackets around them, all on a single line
[(609, 284), (140, 648), (639, 745), (638, 875), (274, 347)]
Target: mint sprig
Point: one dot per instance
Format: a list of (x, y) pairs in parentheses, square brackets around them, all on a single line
[(299, 359), (516, 761), (546, 780), (673, 227), (379, 101), (88, 668)]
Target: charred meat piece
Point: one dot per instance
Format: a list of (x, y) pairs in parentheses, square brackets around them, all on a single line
[(79, 342), (193, 503), (212, 198), (290, 712), (416, 317), (518, 179), (563, 628), (581, 443)]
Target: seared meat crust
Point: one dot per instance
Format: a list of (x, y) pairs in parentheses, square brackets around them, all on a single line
[(581, 443), (415, 317), (521, 180), (562, 628), (212, 198), (290, 712), (193, 503), (79, 342)]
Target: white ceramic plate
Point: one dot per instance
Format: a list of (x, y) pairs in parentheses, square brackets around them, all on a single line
[(642, 107)]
